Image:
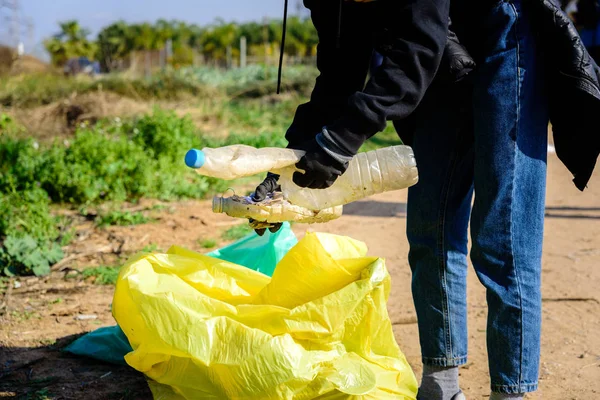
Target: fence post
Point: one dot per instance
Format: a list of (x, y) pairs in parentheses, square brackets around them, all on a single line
[(243, 52)]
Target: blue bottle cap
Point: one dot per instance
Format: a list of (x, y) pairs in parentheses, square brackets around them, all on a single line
[(195, 158)]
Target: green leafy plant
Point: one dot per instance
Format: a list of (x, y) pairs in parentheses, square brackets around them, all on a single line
[(27, 213), (151, 248), (3, 284), (104, 275), (25, 315), (25, 256), (122, 218), (237, 232), (208, 243), (8, 125)]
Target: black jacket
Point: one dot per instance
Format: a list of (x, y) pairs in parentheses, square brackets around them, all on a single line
[(413, 36), (574, 91)]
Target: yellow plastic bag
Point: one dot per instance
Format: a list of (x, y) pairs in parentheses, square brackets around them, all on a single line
[(202, 328)]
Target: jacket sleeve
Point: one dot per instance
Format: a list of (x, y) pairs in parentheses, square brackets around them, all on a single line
[(343, 66), (412, 35)]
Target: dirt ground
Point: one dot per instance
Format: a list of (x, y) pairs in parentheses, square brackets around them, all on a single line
[(42, 314)]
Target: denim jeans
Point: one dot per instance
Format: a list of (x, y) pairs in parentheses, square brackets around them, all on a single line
[(490, 142)]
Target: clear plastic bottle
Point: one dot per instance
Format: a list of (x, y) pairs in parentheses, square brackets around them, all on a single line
[(272, 210), (237, 161), (369, 173)]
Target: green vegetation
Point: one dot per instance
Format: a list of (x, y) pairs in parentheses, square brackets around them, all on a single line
[(119, 161), (151, 248), (25, 315), (236, 232), (207, 243), (3, 284), (70, 42), (42, 394), (8, 125), (104, 275), (115, 162), (26, 256), (205, 83), (122, 218), (217, 44), (48, 342)]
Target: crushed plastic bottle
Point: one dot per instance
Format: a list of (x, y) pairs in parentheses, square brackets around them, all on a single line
[(369, 173), (238, 161), (272, 210), (373, 172)]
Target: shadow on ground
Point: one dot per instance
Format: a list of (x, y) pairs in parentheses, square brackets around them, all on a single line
[(373, 208), (48, 373), (573, 212)]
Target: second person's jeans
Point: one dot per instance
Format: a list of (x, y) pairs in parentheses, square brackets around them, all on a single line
[(493, 145)]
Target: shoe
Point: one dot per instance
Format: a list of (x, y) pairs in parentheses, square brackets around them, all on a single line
[(459, 396)]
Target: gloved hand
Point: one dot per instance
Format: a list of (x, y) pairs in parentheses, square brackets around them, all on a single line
[(456, 62), (320, 167), (269, 185)]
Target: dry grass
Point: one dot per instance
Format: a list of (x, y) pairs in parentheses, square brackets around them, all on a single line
[(62, 117), (11, 64)]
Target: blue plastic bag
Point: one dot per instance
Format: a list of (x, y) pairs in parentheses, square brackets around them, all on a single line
[(259, 253)]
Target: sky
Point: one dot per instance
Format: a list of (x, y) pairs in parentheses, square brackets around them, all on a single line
[(95, 14)]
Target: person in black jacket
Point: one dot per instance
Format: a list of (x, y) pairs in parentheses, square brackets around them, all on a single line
[(483, 138)]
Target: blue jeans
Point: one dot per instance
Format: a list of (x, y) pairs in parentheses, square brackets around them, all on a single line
[(493, 144)]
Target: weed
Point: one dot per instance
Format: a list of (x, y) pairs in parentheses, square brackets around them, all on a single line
[(151, 248), (104, 275), (67, 233), (122, 218), (58, 300), (3, 284), (48, 342), (67, 237), (8, 125), (207, 243), (26, 256), (24, 315), (26, 213), (42, 394), (237, 232)]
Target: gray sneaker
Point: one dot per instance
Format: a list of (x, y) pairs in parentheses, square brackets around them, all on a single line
[(459, 396)]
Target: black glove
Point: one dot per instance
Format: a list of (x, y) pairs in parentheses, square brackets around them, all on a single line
[(456, 62), (269, 185), (320, 169)]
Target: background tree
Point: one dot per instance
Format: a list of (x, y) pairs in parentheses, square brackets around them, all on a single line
[(70, 42)]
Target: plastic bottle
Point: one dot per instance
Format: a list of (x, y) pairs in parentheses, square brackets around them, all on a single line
[(369, 173), (272, 210), (237, 161)]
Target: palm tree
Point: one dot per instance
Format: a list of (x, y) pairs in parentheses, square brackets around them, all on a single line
[(70, 42), (113, 45), (218, 39)]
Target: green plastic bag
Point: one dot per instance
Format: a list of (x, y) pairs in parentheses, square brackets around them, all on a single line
[(259, 253), (107, 344)]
